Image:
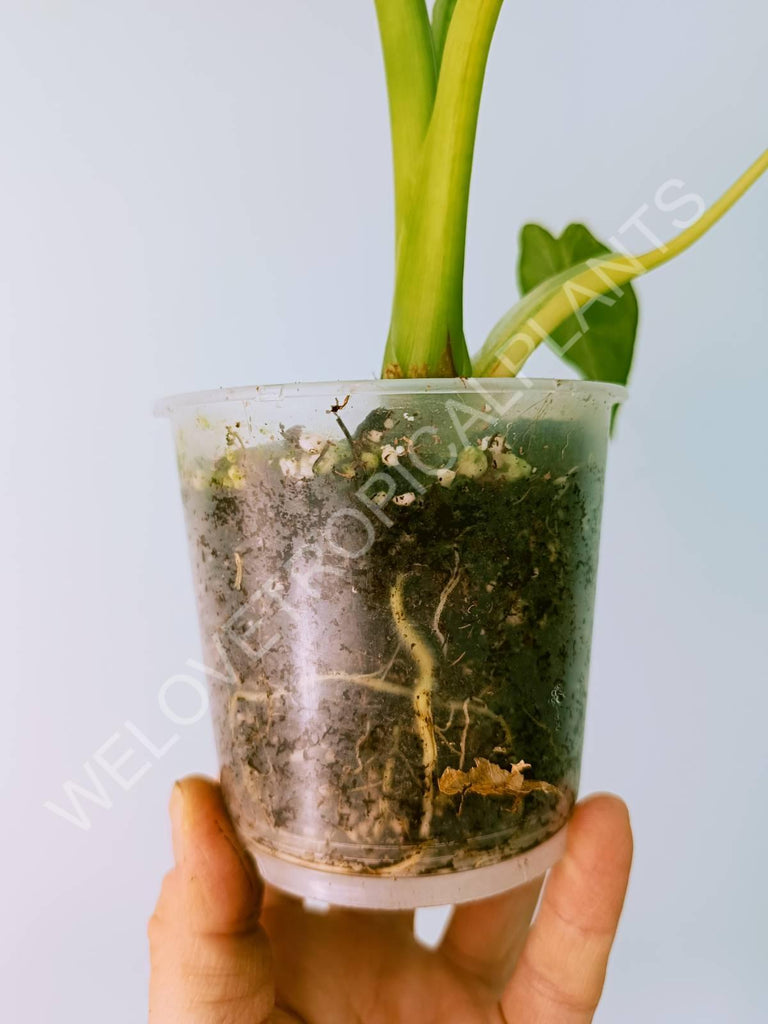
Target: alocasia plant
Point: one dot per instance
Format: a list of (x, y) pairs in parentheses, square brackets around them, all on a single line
[(408, 702), (577, 295)]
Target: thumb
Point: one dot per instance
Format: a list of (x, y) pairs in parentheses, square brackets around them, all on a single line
[(209, 956)]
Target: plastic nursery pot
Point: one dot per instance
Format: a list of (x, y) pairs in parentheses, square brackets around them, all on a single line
[(395, 582)]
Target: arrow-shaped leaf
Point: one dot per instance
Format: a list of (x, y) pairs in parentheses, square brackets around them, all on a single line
[(597, 340)]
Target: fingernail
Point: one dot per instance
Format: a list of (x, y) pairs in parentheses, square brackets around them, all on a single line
[(176, 810)]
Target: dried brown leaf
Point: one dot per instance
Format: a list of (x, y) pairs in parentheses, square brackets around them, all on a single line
[(488, 779)]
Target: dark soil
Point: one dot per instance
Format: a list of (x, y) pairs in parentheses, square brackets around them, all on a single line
[(322, 746)]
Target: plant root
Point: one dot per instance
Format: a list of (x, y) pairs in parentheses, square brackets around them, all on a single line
[(372, 681), (464, 732), (446, 593), (422, 698), (389, 769), (485, 712), (403, 867)]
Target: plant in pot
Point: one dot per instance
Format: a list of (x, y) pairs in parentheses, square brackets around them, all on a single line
[(395, 578)]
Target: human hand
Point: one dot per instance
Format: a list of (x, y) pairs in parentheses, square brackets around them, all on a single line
[(227, 950)]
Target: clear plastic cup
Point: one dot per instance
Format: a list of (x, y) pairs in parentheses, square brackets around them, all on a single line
[(395, 582)]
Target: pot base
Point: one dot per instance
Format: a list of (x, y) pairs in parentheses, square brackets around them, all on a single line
[(377, 892)]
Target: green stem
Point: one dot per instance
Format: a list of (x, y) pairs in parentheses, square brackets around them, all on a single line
[(426, 333), (409, 63), (442, 13), (541, 312)]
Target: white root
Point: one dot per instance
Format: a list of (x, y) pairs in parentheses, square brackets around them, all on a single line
[(464, 732), (389, 770), (451, 717), (376, 683), (403, 867), (372, 681), (446, 593), (359, 746), (485, 712), (444, 739), (422, 698)]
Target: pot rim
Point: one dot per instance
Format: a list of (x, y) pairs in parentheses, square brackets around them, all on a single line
[(337, 389)]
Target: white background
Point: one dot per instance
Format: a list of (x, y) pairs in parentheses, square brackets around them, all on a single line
[(195, 194)]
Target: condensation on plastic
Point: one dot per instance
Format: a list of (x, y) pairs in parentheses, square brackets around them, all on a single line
[(323, 630)]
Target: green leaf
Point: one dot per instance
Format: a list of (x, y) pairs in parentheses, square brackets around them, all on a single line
[(599, 340)]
